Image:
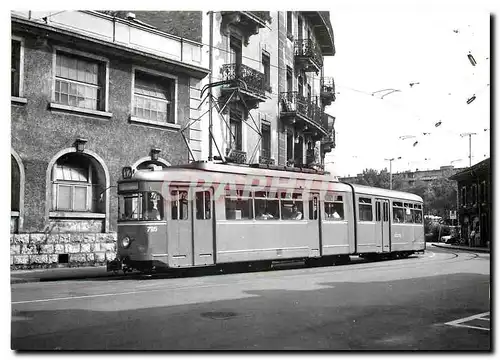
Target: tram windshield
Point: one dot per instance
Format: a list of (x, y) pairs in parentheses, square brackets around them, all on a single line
[(147, 205)]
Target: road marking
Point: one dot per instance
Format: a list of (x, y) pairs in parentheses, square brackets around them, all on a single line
[(459, 322)]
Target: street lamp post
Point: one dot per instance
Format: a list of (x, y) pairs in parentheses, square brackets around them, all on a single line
[(470, 145), (390, 169)]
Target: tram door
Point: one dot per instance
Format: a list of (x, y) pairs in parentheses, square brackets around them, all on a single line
[(179, 228), (203, 220), (382, 232)]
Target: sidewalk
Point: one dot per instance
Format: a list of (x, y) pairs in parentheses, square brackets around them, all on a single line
[(458, 247), (39, 275)]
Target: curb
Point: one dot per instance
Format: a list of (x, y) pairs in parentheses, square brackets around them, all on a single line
[(463, 248), (20, 280)]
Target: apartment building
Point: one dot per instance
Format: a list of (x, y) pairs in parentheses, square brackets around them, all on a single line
[(268, 89), (92, 92)]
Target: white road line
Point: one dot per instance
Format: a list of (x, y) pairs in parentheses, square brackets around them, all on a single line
[(473, 317), (194, 286)]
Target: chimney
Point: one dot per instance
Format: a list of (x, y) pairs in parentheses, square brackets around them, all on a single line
[(130, 16)]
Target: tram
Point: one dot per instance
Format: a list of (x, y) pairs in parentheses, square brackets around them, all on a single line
[(207, 214)]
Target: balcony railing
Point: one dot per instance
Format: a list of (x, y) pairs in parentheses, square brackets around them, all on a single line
[(236, 156), (293, 102), (328, 142), (253, 79), (307, 50), (327, 91)]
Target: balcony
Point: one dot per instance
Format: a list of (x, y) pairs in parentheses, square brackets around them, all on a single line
[(120, 34), (308, 56), (236, 156), (248, 22), (303, 114), (328, 142), (327, 91), (250, 83)]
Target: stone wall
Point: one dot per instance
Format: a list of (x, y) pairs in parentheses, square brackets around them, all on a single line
[(51, 250)]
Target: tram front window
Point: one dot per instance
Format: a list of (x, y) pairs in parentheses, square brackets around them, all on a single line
[(140, 206)]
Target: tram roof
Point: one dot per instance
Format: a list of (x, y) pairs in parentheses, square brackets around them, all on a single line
[(218, 173), (368, 190), (159, 175)]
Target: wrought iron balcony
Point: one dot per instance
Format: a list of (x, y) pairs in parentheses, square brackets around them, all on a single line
[(236, 156), (327, 91), (249, 81), (303, 113), (328, 142), (248, 22), (308, 55)]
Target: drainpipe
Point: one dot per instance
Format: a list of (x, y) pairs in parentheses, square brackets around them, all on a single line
[(210, 66)]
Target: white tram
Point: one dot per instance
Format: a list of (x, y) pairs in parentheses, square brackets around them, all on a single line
[(205, 214)]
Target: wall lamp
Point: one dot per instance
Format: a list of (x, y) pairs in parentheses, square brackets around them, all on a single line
[(155, 154), (79, 144)]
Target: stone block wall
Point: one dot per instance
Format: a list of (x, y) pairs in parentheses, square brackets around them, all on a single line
[(34, 250)]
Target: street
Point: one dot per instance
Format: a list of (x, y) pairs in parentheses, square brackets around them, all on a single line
[(433, 301)]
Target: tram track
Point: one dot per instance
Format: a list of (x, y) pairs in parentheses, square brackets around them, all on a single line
[(138, 285)]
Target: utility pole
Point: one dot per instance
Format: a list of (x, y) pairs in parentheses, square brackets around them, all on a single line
[(470, 145), (390, 170)]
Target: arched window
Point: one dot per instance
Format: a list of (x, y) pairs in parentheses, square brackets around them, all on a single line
[(15, 178), (77, 184)]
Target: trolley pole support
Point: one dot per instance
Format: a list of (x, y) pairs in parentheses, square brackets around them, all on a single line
[(210, 60)]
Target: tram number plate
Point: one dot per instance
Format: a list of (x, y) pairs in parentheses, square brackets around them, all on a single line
[(150, 229)]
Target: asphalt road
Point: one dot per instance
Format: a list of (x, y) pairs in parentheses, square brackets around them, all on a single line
[(435, 301)]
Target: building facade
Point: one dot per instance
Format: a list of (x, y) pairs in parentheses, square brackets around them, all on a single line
[(92, 92), (474, 203), (267, 87), (409, 178)]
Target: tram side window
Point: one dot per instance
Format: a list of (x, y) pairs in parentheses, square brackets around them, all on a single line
[(417, 214), (239, 207), (398, 212), (408, 213), (267, 206), (334, 207), (365, 209), (179, 205), (292, 207), (203, 205), (313, 209)]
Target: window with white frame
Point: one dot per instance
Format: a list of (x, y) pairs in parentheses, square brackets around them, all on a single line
[(74, 184), (80, 81), (154, 97), (16, 68)]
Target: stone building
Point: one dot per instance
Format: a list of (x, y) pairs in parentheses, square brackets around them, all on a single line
[(270, 64), (474, 199), (91, 93)]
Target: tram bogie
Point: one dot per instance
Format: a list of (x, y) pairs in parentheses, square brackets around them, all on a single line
[(242, 218)]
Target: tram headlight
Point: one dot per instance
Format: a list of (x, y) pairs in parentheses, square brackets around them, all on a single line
[(126, 242)]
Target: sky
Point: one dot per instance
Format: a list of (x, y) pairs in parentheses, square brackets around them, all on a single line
[(388, 46)]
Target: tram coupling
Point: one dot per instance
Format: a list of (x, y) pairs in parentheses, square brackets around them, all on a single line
[(114, 265)]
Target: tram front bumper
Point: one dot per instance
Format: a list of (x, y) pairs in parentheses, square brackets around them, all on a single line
[(114, 265)]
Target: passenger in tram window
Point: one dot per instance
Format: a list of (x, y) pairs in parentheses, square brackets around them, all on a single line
[(153, 212), (296, 214), (263, 213)]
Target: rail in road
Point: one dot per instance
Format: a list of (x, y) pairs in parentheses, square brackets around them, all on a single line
[(135, 285)]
